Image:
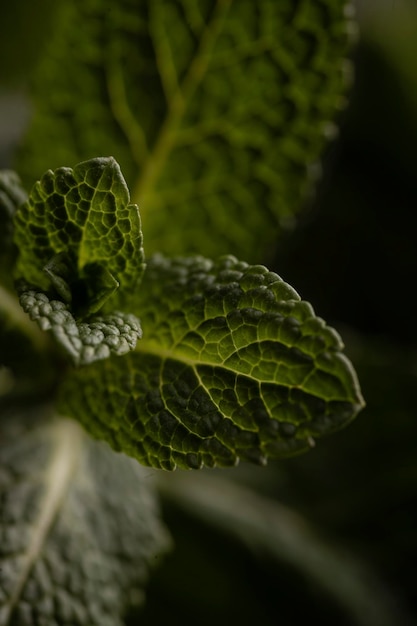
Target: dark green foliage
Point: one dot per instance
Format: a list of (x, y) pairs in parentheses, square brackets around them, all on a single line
[(232, 365), (78, 234), (217, 111), (79, 526)]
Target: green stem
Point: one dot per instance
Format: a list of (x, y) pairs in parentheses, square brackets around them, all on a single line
[(18, 320)]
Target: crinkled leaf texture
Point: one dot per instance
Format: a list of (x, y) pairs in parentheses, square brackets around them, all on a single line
[(80, 250), (224, 105), (85, 342), (232, 365), (79, 526), (78, 235)]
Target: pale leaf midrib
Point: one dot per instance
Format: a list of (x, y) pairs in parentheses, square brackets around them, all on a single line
[(165, 140), (68, 437), (176, 355), (123, 114)]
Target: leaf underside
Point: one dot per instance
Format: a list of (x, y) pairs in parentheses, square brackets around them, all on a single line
[(84, 342), (79, 526), (232, 365), (216, 110)]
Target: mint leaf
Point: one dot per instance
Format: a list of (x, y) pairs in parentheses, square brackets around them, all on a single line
[(78, 236), (79, 526), (85, 342), (232, 365), (216, 111)]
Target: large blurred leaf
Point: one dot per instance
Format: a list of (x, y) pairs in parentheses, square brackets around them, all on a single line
[(12, 195), (79, 526), (215, 109), (232, 365), (24, 28)]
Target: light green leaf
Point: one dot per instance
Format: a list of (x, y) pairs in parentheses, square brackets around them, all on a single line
[(85, 342), (232, 365), (217, 110), (79, 526), (77, 235)]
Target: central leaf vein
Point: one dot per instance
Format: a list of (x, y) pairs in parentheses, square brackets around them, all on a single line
[(177, 106), (58, 478)]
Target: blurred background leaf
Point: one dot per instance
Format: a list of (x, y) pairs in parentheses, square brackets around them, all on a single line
[(24, 29), (217, 111)]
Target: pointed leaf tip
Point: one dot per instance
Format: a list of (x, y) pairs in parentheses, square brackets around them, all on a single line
[(78, 235), (233, 365)]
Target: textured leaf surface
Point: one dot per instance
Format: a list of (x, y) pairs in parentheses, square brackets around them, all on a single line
[(79, 526), (217, 110), (78, 235), (232, 365), (85, 342)]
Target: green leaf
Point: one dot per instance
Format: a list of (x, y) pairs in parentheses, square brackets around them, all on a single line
[(217, 110), (78, 236), (232, 365), (12, 195), (79, 526), (85, 342)]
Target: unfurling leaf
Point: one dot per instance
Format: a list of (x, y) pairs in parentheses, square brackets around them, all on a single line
[(78, 236), (79, 526), (232, 365), (217, 110), (80, 250)]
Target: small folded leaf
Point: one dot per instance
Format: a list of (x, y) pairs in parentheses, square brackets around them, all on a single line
[(85, 342), (232, 365), (24, 350), (79, 526), (78, 235)]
